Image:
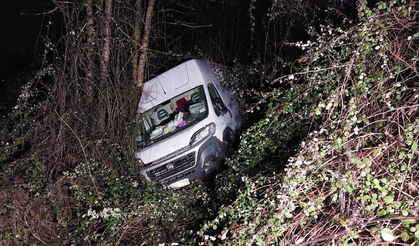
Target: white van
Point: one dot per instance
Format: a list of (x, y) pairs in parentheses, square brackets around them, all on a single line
[(188, 124)]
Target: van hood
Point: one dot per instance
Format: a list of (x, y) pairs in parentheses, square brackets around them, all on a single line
[(177, 143)]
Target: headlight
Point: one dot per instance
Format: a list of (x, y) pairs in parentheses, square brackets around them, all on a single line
[(202, 134)]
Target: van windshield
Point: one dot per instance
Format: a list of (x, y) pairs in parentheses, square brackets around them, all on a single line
[(172, 116)]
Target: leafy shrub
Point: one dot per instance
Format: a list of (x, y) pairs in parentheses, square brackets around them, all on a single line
[(334, 154), (354, 177)]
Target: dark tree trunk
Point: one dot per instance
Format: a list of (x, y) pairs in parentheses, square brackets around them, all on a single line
[(146, 38)]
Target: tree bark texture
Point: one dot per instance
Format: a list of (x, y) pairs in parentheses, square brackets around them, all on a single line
[(146, 38), (107, 40), (104, 60), (90, 65), (137, 39)]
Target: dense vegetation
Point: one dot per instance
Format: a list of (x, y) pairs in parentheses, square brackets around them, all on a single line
[(332, 157)]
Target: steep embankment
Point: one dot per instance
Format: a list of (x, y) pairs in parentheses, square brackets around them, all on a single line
[(354, 179)]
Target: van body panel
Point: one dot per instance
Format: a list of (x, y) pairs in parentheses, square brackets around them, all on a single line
[(184, 114), (163, 148)]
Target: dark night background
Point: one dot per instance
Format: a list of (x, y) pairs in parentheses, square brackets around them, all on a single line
[(20, 41)]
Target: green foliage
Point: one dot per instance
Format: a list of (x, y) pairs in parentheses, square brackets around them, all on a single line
[(17, 128), (356, 95), (335, 153), (111, 206)]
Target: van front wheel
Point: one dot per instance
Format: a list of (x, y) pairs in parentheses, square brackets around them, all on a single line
[(229, 137)]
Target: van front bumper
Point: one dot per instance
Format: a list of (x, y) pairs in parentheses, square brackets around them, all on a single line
[(198, 163)]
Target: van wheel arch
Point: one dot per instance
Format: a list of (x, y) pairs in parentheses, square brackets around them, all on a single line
[(230, 138)]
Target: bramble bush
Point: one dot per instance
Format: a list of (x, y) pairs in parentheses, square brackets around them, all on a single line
[(334, 159), (353, 178)]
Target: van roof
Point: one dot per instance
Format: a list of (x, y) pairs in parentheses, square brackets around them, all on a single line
[(173, 82)]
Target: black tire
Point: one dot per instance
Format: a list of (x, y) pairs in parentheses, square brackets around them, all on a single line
[(230, 138)]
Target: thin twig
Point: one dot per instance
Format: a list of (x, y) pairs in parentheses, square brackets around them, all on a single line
[(324, 238), (394, 109), (306, 72)]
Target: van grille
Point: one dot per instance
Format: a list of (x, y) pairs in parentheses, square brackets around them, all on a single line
[(172, 167)]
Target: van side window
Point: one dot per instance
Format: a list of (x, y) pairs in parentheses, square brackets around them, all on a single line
[(217, 102)]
